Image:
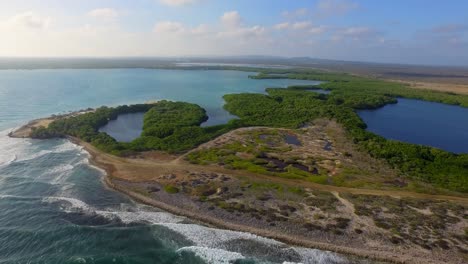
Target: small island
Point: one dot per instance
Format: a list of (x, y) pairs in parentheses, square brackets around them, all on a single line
[(297, 166)]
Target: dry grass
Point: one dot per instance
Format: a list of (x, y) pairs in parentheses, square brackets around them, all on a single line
[(437, 86)]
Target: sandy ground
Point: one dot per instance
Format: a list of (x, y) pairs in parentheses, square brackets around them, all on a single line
[(436, 86), (25, 131)]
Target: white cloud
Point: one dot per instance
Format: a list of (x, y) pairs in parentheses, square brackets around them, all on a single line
[(28, 20), (200, 29), (231, 19), (168, 27), (282, 26), (301, 25), (318, 30), (304, 26), (233, 28), (244, 33), (177, 3), (105, 13)]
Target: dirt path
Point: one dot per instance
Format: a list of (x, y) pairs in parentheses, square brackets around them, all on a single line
[(145, 170)]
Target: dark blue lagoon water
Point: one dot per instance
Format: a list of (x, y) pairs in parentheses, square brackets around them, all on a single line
[(53, 205), (420, 122), (125, 128)]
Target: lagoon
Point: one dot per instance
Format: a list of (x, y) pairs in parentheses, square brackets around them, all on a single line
[(125, 128), (420, 122)]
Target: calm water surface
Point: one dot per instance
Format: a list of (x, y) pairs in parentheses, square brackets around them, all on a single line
[(419, 122), (126, 127), (53, 205)]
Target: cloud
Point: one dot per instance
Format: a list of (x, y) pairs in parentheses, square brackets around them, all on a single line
[(233, 27), (357, 34), (177, 3), (301, 25), (168, 27), (447, 35), (177, 28), (231, 19), (318, 29), (105, 13), (29, 20), (450, 28), (201, 29), (301, 12), (282, 26), (326, 8), (243, 33), (358, 31)]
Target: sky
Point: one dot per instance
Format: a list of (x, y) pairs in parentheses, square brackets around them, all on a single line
[(397, 31)]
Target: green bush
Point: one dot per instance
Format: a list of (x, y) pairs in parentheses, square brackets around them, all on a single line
[(171, 189)]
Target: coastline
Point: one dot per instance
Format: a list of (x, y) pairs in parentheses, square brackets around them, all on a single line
[(25, 131), (200, 216), (219, 223)]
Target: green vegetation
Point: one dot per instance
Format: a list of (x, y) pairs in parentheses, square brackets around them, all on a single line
[(251, 156), (292, 108), (174, 126), (86, 126), (168, 126), (171, 189)]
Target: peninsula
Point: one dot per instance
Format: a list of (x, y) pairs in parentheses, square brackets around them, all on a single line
[(297, 166)]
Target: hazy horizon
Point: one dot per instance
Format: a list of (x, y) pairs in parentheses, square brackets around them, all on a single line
[(403, 32)]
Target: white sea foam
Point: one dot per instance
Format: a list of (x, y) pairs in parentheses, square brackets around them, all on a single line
[(209, 243), (73, 204), (10, 148), (2, 196), (212, 237), (152, 217), (60, 168), (313, 256), (5, 196), (66, 146), (142, 216), (213, 255)]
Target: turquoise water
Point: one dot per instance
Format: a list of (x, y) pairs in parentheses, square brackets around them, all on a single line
[(30, 94), (420, 122), (53, 205)]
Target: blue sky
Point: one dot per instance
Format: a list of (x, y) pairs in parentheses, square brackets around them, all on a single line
[(411, 31)]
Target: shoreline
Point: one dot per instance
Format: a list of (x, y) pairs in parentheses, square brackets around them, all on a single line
[(376, 255), (25, 131), (146, 168)]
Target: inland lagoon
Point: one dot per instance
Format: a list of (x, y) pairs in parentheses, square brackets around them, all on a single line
[(420, 122)]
